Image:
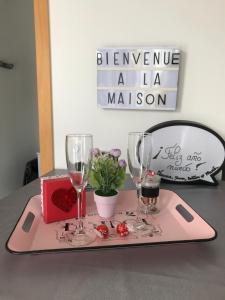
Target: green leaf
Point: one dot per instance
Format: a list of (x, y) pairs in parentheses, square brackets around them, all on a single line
[(106, 174)]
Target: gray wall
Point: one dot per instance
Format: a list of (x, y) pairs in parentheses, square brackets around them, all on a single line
[(18, 102)]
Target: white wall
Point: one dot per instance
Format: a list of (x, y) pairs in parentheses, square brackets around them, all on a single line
[(78, 28), (18, 105)]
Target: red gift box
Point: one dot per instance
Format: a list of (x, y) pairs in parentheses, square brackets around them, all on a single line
[(59, 199)]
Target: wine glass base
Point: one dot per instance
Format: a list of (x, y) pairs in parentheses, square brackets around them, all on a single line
[(81, 239), (149, 210), (136, 225)]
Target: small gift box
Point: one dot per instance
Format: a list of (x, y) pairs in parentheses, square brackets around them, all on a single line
[(59, 199)]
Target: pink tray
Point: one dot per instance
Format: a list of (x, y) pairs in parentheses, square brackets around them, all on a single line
[(176, 222)]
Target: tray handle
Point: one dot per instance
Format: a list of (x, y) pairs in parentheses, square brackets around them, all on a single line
[(22, 237), (27, 224), (184, 213), (193, 224)]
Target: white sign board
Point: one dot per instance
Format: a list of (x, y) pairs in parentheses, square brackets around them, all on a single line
[(186, 152), (137, 78)]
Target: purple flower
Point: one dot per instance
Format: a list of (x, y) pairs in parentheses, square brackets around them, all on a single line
[(115, 153), (122, 163), (96, 152)]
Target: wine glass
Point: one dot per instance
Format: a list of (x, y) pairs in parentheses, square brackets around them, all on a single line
[(139, 159), (78, 157), (139, 156)]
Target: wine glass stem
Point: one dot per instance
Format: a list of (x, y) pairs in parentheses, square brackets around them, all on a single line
[(138, 188), (80, 222), (138, 191)]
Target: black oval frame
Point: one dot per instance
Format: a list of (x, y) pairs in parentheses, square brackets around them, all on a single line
[(201, 126)]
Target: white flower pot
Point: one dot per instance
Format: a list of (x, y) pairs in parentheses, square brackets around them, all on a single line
[(105, 205)]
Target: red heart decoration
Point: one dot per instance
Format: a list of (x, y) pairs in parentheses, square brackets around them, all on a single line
[(64, 199)]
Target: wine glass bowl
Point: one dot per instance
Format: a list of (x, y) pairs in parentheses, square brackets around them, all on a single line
[(139, 156)]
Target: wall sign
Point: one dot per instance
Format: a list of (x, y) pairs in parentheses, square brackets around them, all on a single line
[(184, 151), (137, 78)]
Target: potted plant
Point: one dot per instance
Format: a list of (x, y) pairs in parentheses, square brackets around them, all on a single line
[(107, 175)]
